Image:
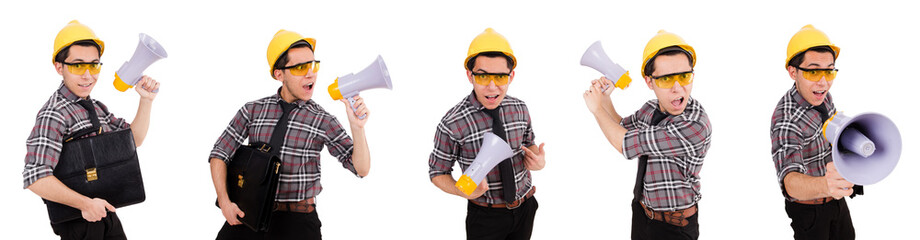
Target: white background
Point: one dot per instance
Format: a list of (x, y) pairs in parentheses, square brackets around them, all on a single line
[(217, 63)]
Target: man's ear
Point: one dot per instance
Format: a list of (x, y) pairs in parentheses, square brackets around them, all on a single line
[(278, 74), (59, 67), (511, 77), (469, 75), (791, 71), (648, 82)]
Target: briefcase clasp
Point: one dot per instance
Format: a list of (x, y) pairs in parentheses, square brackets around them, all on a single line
[(265, 148), (91, 175), (240, 182), (277, 167)]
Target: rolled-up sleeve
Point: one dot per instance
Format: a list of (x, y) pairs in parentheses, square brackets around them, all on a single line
[(676, 139), (444, 154), (43, 147), (787, 151), (340, 145), (232, 137)]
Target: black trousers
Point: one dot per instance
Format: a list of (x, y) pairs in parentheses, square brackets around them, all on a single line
[(283, 226), (645, 228), (826, 221), (500, 223), (109, 228)]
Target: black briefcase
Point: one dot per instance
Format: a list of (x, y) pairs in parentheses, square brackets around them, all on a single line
[(252, 182), (103, 166)]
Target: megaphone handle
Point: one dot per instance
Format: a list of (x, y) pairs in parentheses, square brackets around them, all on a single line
[(351, 101)]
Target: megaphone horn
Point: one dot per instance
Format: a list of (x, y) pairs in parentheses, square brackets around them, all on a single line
[(373, 76), (148, 51), (865, 148), (596, 58), (494, 150)]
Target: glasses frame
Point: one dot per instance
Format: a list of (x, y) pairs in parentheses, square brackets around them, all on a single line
[(92, 69), (657, 83), (505, 76), (314, 68), (825, 74)]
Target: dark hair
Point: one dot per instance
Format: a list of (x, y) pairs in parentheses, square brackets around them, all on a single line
[(799, 58), (472, 62), (65, 52), (668, 51), (283, 59)]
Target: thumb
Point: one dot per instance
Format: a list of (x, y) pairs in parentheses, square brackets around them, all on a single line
[(541, 147), (241, 214), (109, 207)]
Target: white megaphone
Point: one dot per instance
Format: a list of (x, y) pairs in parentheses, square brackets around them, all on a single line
[(596, 58), (493, 151), (148, 51), (865, 148), (373, 76)]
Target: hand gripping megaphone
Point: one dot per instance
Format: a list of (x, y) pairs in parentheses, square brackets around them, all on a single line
[(596, 58), (148, 51), (494, 150), (865, 148), (348, 86)]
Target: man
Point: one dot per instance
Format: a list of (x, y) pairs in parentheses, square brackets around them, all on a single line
[(76, 58), (502, 206), (310, 127), (811, 184), (670, 135)]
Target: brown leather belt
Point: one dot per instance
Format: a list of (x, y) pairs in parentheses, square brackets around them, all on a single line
[(513, 205), (676, 218), (303, 206), (818, 201)]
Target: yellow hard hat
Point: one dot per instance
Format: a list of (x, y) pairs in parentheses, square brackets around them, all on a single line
[(74, 31), (489, 41), (808, 37), (663, 40), (280, 44)]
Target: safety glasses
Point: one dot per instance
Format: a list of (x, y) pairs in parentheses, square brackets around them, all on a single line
[(80, 68), (484, 78), (302, 68), (815, 75), (667, 81)]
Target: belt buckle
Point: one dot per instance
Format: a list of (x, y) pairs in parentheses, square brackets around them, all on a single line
[(512, 205)]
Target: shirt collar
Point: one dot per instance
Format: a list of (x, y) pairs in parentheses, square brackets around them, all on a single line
[(67, 94), (299, 103)]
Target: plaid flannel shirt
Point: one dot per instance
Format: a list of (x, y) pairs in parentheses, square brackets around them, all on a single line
[(59, 117), (675, 148), (309, 129), (795, 133), (459, 137)]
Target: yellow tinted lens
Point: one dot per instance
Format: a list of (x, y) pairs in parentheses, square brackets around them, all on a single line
[(481, 79), (484, 79), (815, 75), (81, 68), (302, 69), (685, 79), (500, 79), (666, 81), (830, 75)]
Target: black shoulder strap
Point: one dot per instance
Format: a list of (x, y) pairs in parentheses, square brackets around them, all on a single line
[(93, 118)]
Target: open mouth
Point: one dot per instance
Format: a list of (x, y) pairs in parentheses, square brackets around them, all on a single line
[(492, 98), (820, 94), (309, 86), (677, 102), (85, 85)]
